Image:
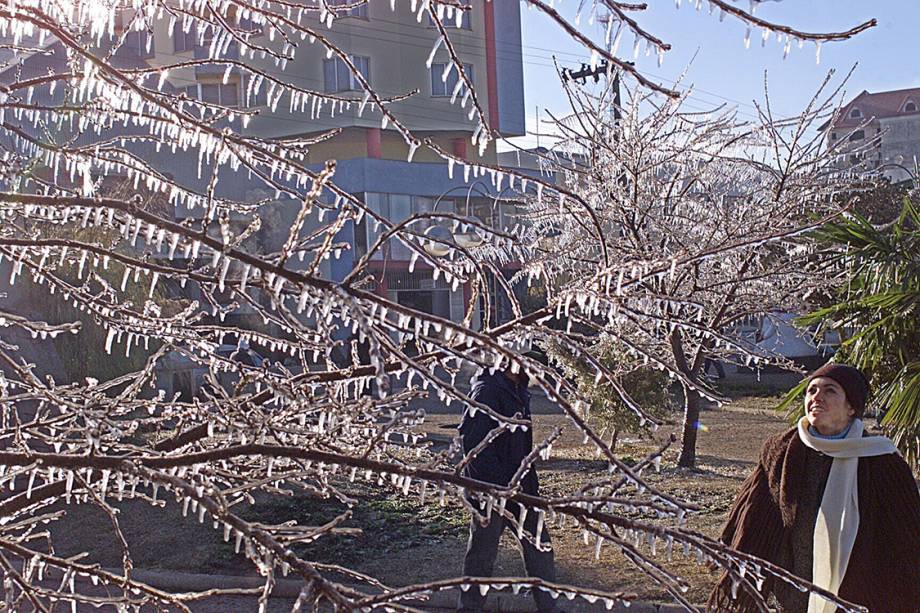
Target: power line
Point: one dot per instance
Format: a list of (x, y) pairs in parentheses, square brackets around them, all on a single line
[(398, 41), (478, 52), (415, 114), (579, 58), (419, 106)]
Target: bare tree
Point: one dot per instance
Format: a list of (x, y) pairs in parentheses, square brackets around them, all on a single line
[(323, 420), (725, 202)]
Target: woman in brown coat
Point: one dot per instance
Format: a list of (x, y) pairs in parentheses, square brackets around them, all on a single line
[(831, 505)]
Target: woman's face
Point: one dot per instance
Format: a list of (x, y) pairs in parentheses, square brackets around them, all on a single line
[(827, 407)]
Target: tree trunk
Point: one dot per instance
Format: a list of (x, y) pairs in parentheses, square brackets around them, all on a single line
[(613, 439), (687, 457)]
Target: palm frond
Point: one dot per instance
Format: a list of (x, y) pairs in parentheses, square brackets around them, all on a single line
[(901, 398), (790, 402), (879, 308)]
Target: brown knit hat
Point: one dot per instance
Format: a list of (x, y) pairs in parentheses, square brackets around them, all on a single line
[(851, 379)]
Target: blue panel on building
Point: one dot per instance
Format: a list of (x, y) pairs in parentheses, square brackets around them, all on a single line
[(509, 67), (399, 177)]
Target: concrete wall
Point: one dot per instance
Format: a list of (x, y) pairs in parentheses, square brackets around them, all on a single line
[(900, 145), (847, 144)]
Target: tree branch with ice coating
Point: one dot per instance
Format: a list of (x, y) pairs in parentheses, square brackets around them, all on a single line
[(124, 229)]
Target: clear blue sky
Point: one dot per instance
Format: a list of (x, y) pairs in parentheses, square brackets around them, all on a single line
[(723, 70)]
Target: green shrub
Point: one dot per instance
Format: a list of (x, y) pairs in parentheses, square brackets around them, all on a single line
[(649, 388)]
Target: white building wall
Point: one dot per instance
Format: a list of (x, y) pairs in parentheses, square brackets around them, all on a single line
[(900, 146)]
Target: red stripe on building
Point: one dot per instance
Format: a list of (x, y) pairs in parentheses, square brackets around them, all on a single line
[(491, 64), (458, 147), (374, 149)]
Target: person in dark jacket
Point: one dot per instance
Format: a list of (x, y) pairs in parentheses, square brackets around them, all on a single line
[(505, 393), (832, 505)]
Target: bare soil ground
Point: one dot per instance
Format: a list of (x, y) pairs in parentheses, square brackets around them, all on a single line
[(403, 542), (728, 448)]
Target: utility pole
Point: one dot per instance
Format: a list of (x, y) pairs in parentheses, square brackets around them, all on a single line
[(586, 72), (538, 126)]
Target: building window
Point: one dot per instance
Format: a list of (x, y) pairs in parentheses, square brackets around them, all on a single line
[(182, 40), (440, 87), (139, 44), (855, 113), (359, 11), (245, 26), (395, 208), (910, 107), (251, 97), (224, 94), (248, 26), (419, 290), (451, 22), (858, 135), (337, 76)]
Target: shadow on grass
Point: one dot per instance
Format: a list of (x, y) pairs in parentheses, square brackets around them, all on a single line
[(389, 523), (572, 465)]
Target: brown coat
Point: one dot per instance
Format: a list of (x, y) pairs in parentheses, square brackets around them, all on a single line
[(884, 569)]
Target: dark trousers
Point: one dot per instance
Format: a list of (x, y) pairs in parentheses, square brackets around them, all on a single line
[(720, 370), (480, 559)]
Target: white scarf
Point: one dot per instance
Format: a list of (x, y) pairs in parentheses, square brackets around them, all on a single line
[(838, 517)]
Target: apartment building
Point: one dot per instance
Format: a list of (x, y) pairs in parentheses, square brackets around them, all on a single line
[(879, 132), (390, 48)]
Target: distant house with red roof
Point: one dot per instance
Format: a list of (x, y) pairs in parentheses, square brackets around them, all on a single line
[(879, 131)]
